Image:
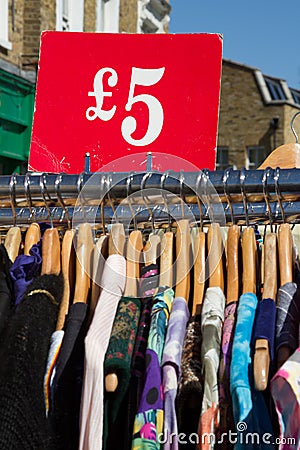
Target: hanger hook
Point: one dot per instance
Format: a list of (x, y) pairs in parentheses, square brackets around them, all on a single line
[(28, 196), (206, 178), (58, 181), (12, 193), (163, 180), (198, 184), (292, 126), (278, 192), (227, 194), (128, 188), (109, 185), (182, 195), (143, 185), (266, 175), (43, 189), (103, 185), (244, 196), (79, 189)]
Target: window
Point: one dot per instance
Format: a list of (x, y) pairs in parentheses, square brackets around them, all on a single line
[(69, 15), (222, 158), (65, 15), (4, 42), (275, 89), (296, 96), (108, 13), (255, 156), (153, 16)]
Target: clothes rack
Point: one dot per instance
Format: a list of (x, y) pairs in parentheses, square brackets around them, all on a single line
[(232, 196)]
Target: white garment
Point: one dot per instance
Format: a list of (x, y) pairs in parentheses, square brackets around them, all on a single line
[(96, 343)]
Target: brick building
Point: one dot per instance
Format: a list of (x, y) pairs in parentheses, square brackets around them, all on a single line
[(255, 109), (21, 23), (255, 115)]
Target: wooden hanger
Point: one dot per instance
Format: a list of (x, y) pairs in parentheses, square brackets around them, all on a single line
[(286, 156), (84, 248), (99, 256), (68, 271), (116, 240), (261, 361), (51, 264), (232, 245), (12, 242), (199, 271), (116, 247), (133, 255), (285, 251), (183, 262), (32, 237), (215, 252), (134, 249), (249, 256), (166, 259), (151, 249)]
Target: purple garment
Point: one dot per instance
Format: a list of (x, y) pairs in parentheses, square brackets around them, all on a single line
[(171, 369), (24, 270), (225, 403), (148, 424), (265, 321)]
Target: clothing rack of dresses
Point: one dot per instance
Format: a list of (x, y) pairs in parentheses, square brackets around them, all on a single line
[(103, 273)]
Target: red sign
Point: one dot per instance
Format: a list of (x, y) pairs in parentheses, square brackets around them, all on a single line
[(115, 95)]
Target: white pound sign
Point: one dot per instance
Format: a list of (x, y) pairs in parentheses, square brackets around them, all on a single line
[(93, 112), (144, 77)]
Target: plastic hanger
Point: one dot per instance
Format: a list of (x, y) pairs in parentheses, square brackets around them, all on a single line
[(287, 156), (183, 263), (261, 361)]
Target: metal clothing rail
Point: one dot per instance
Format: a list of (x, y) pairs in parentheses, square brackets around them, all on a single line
[(239, 196)]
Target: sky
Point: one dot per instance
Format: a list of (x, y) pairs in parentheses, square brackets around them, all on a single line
[(264, 34)]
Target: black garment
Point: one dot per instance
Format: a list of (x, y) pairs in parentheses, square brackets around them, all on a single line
[(23, 356), (68, 379), (6, 291)]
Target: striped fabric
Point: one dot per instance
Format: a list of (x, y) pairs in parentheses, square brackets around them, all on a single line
[(96, 344)]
